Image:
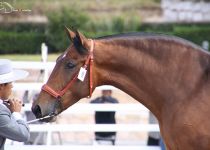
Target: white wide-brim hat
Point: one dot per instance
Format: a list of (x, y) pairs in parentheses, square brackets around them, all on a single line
[(8, 74)]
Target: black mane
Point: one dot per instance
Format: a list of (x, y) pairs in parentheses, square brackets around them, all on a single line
[(132, 35)]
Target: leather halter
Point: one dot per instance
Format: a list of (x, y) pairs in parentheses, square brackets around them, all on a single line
[(59, 94)]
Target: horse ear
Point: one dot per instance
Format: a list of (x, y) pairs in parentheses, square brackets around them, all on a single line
[(79, 42), (81, 37), (71, 35)]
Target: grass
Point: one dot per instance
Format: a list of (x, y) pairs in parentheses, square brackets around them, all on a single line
[(26, 57)]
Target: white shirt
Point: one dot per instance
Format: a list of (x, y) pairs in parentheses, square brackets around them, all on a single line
[(16, 115)]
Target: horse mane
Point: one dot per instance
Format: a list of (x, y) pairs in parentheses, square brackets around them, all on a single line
[(159, 36)]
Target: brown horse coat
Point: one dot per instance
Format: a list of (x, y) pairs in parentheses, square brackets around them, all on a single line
[(169, 75)]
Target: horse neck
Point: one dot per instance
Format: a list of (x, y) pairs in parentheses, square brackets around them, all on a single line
[(138, 67)]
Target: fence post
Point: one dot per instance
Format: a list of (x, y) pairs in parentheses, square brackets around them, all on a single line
[(44, 52), (205, 45)]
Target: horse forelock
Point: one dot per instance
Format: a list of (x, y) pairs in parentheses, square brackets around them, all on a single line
[(63, 55)]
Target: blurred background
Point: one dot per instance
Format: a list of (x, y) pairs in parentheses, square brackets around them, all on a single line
[(46, 20), (32, 33)]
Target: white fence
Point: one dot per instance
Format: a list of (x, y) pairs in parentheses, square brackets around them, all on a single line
[(104, 147), (82, 108), (89, 109)]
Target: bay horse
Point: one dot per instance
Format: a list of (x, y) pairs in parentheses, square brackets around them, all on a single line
[(167, 74)]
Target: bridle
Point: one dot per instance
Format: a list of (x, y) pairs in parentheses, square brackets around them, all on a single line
[(89, 61), (58, 94)]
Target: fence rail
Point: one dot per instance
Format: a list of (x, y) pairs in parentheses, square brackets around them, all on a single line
[(80, 108), (33, 65), (84, 108), (86, 147), (94, 127)]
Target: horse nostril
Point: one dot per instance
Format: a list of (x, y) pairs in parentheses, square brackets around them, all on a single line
[(37, 111)]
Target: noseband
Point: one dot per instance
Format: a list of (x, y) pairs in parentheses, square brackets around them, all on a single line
[(89, 61)]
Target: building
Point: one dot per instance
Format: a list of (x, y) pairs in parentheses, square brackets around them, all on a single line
[(186, 10)]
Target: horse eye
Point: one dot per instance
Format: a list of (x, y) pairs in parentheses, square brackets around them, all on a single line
[(70, 65)]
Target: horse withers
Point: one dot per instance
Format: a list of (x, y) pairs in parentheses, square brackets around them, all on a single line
[(167, 74)]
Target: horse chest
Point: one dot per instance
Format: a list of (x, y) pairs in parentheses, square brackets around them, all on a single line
[(187, 130)]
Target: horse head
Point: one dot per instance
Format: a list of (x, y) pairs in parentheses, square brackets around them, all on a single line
[(70, 80)]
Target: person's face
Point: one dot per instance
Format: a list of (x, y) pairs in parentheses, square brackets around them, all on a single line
[(5, 90), (106, 93)]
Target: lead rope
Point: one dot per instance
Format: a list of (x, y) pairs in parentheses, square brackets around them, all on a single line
[(40, 119), (53, 114)]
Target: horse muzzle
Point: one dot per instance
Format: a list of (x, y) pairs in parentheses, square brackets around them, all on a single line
[(51, 111), (48, 118), (37, 111)]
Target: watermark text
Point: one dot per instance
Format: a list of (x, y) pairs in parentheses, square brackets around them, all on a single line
[(6, 8)]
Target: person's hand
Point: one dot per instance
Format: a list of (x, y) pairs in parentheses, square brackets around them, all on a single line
[(14, 105)]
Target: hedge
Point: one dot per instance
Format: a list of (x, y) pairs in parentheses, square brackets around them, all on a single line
[(27, 38), (56, 36), (23, 27), (22, 43), (196, 33)]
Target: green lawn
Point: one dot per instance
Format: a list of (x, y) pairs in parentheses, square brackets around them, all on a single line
[(28, 57)]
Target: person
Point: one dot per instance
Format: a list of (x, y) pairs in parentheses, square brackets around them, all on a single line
[(154, 137), (12, 125), (104, 117), (162, 145)]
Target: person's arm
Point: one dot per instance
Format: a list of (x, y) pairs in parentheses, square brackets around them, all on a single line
[(13, 129), (12, 126)]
